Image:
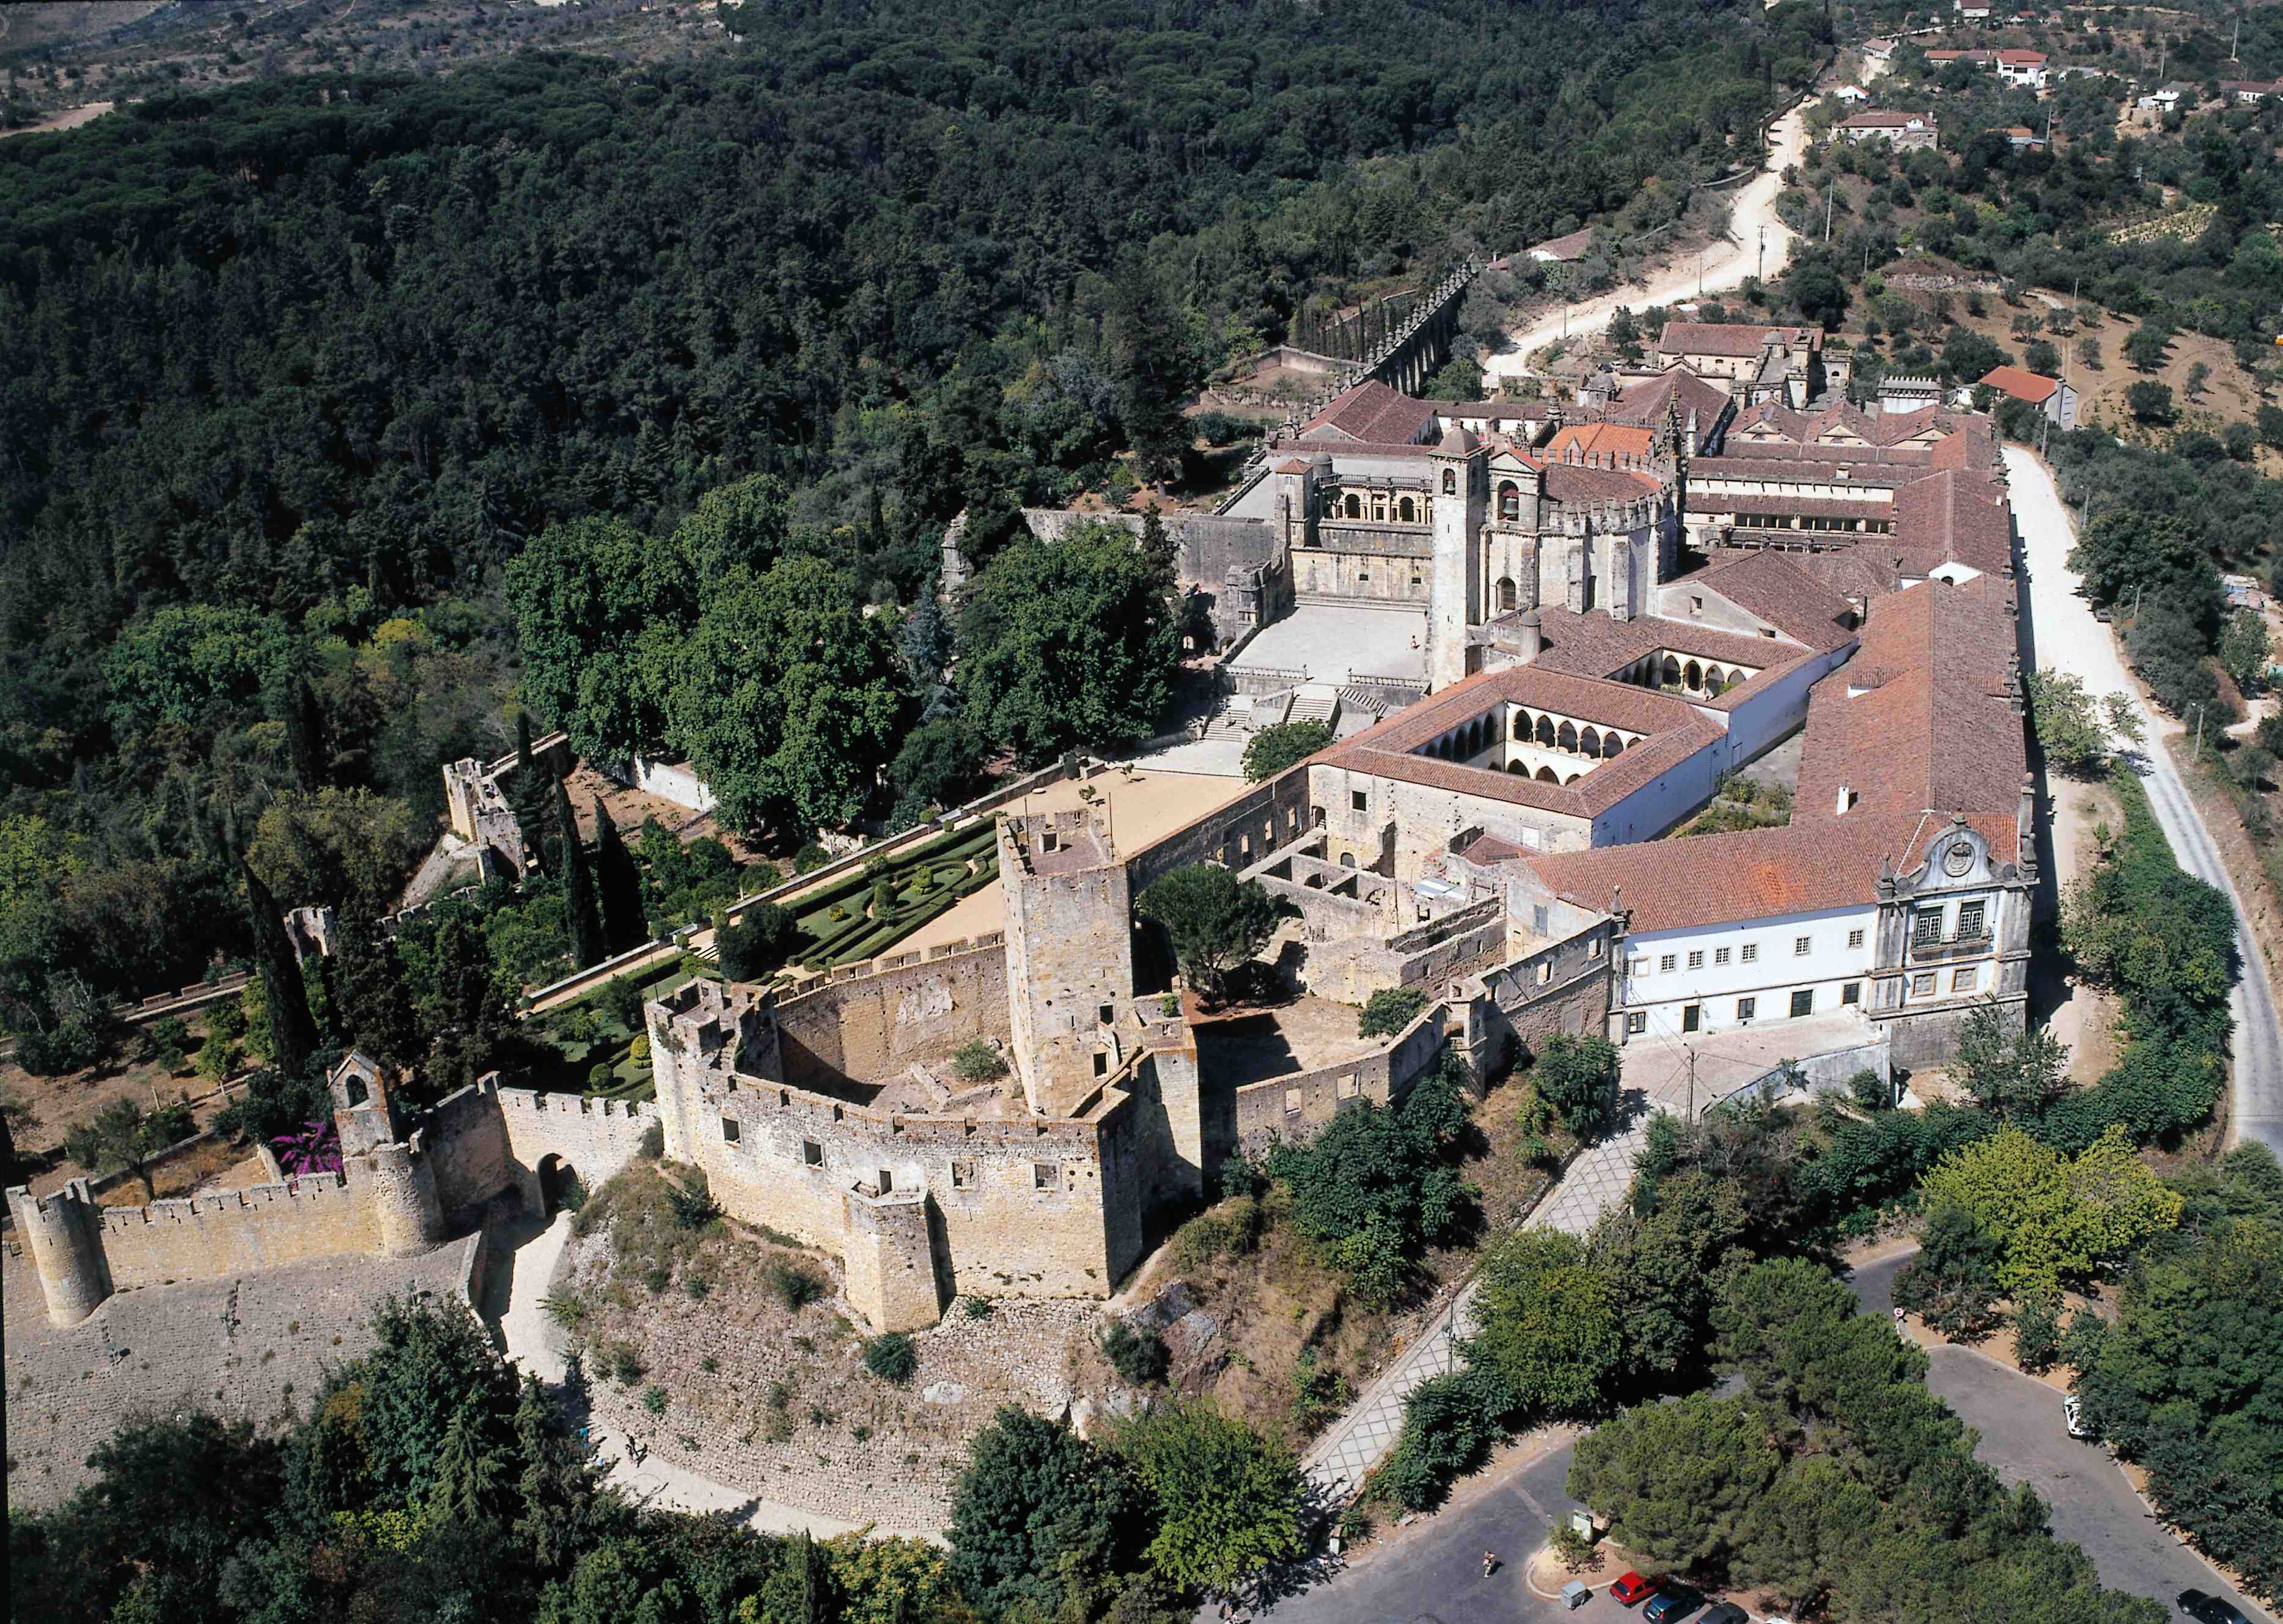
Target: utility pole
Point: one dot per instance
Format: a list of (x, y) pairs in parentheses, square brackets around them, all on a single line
[(1830, 193), (2199, 754), (1692, 1084), (1762, 275)]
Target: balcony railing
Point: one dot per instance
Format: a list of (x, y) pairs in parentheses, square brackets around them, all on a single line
[(1956, 947)]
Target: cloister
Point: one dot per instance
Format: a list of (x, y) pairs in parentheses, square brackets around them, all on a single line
[(1536, 735)]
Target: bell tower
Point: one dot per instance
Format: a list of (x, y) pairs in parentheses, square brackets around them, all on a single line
[(1454, 603)]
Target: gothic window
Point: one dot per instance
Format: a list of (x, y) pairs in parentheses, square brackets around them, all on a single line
[(1518, 766), (1405, 511), (1670, 675), (1509, 500), (1546, 730), (1713, 682), (1612, 744), (1354, 506), (1546, 776), (1522, 726), (1693, 675), (1450, 482), (1567, 737), (1590, 743)]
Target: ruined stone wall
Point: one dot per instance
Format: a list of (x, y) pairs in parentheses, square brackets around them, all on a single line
[(237, 1230), (871, 1028), (1235, 835), (1295, 1107), (1560, 986), (1352, 970), (1424, 817)]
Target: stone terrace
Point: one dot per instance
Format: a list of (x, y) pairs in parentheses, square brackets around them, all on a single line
[(249, 1347)]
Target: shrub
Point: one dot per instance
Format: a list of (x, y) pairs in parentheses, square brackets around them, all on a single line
[(653, 1399), (793, 1285), (625, 1369), (809, 857), (653, 1142), (1450, 1424), (1389, 1011), (977, 1307), (1138, 1356), (756, 947), (566, 1308), (1871, 1090), (1272, 749), (892, 1358), (976, 1061), (1201, 1240), (692, 1203), (599, 1076)]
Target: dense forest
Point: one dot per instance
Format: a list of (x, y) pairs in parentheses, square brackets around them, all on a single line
[(295, 370)]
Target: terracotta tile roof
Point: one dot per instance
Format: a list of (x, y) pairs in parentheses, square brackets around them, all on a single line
[(1740, 339), (1965, 448), (1574, 482), (1872, 467), (2020, 382), (1562, 248), (1921, 720), (1958, 516), (1600, 438), (1786, 596), (1861, 571), (2022, 59), (1643, 401), (1374, 414), (1887, 121), (1594, 645), (1292, 465), (1870, 505)]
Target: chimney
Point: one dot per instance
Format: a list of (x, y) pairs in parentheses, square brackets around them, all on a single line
[(1533, 638), (1846, 802)]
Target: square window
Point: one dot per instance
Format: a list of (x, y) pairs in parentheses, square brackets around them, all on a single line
[(1752, 953), (1803, 1002), (1922, 984), (885, 1182), (1636, 1022), (1101, 1063), (1967, 979), (1855, 938), (1292, 1102), (1357, 800), (728, 1131), (812, 1153), (1851, 993), (1107, 1014), (1719, 955), (1637, 966), (1347, 1087), (962, 1174), (1593, 948), (1537, 919), (1969, 920), (1692, 1016), (1696, 960), (1044, 1176), (1926, 928), (1746, 1008), (1544, 971), (1664, 964), (1799, 946)]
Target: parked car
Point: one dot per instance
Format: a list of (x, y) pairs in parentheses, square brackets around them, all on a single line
[(1630, 1587), (1670, 1606), (1724, 1612), (2210, 1609), (2073, 1415)]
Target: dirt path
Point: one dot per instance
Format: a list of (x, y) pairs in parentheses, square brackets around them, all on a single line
[(1725, 264), (70, 118)]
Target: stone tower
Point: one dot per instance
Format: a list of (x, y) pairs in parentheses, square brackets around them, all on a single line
[(1070, 952), (64, 1234), (391, 1166), (1462, 490)]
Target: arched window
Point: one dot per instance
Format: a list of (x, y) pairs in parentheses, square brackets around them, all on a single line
[(1518, 766), (1354, 506), (1546, 730), (1522, 726), (1546, 776), (1671, 673), (1509, 505), (1507, 596), (1566, 736), (1612, 744), (1474, 738), (358, 1093), (1573, 778), (1590, 741), (1406, 512), (1693, 676), (1450, 482), (1712, 682), (1347, 859)]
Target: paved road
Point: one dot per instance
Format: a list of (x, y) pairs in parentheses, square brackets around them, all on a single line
[(1436, 1574), (2064, 634), (1726, 263)]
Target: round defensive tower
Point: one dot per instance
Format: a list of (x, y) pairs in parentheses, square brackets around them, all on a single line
[(65, 1233)]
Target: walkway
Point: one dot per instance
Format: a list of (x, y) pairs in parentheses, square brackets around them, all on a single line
[(532, 1256), (2065, 636), (1656, 1079)]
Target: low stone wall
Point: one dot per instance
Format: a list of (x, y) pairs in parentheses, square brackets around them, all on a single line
[(1296, 1107), (1352, 970)]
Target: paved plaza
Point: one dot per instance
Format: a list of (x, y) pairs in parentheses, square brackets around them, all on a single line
[(1333, 643)]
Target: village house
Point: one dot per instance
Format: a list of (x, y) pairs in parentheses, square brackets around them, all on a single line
[(2053, 398), (1911, 131)]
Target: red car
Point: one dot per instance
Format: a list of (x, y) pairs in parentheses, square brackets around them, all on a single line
[(1632, 1587)]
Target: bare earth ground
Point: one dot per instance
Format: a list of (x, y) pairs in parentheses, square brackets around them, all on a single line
[(2085, 1019), (1143, 808), (250, 1348), (70, 118), (63, 1102)]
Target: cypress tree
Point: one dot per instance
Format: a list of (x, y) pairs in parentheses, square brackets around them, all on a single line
[(618, 883), (371, 1003), (471, 1013), (305, 736), (581, 912), (526, 797), (294, 1035)]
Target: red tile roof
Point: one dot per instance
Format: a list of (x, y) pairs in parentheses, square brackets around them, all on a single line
[(1952, 516), (1375, 414), (1562, 249), (1574, 482), (1742, 340), (2022, 383), (1887, 121), (1780, 592), (1600, 438)]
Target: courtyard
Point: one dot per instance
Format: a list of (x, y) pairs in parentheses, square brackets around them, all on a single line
[(1336, 643)]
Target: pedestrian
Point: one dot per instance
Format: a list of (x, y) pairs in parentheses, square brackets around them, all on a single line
[(1490, 1563), (1898, 1319)]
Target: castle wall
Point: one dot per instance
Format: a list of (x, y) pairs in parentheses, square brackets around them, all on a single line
[(238, 1230), (1235, 835), (1424, 817), (592, 1137), (868, 1029), (466, 1141), (1353, 969), (1362, 578)]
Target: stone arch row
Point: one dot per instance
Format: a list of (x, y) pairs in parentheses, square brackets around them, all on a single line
[(1544, 775), (1598, 744), (1697, 676), (1407, 510)]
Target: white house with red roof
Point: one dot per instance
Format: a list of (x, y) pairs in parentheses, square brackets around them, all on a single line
[(1908, 131), (2051, 396)]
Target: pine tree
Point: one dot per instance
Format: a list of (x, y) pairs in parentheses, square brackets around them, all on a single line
[(617, 883), (294, 1035), (581, 912), (798, 1589), (469, 1019), (1158, 547), (467, 1482), (371, 1003)]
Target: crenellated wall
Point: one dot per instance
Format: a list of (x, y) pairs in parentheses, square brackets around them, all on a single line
[(868, 1029), (234, 1231)]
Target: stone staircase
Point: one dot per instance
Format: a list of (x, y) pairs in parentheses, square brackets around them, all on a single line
[(1316, 701)]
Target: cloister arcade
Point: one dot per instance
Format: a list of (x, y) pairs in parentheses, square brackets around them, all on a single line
[(1553, 749), (1676, 671), (1378, 502)]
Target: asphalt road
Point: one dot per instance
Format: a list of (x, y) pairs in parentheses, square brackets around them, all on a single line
[(1435, 1575), (2064, 634)]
